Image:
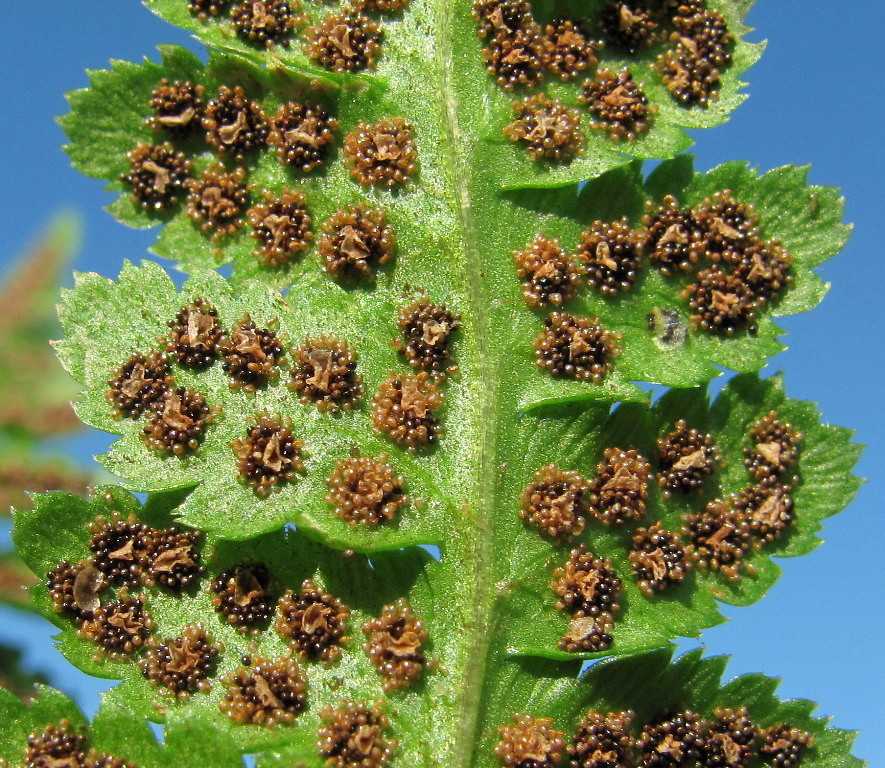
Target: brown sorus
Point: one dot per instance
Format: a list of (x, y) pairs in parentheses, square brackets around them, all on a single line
[(324, 373), (303, 134), (501, 16), (721, 303), (346, 41), (118, 628), (782, 745), (546, 128), (659, 559), (690, 79), (602, 741), (241, 594), (628, 24), (720, 536), (181, 664), (686, 456), (403, 409), (59, 744), (617, 104), (119, 547), (313, 622), (266, 22), (265, 692), (250, 355), (394, 645), (610, 252), (157, 176), (768, 508), (729, 742), (281, 227), (74, 589), (139, 382), (765, 269), (569, 48), (381, 153), (217, 201), (352, 736), (172, 558), (366, 489), (775, 450), (427, 330), (517, 58), (268, 456), (704, 33), (234, 125), (671, 741), (203, 9), (555, 502), (354, 242), (588, 634), (194, 334), (728, 227), (531, 742), (177, 107), (549, 275), (586, 585), (618, 490), (576, 347), (672, 234), (178, 422)]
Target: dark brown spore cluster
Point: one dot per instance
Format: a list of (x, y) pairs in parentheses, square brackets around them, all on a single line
[(194, 335), (618, 490), (141, 381), (546, 128), (628, 24), (381, 153), (203, 9), (269, 455), (313, 622), (366, 489), (182, 664), (266, 22), (119, 548), (118, 628), (617, 104), (346, 41), (721, 303), (782, 745), (569, 48), (281, 227), (531, 742), (775, 450), (659, 559), (354, 242), (241, 594), (250, 355), (427, 329), (178, 422), (74, 589), (302, 134), (516, 53), (403, 409), (177, 107), (720, 536), (576, 347), (394, 645), (548, 273), (265, 692), (686, 457), (611, 252), (672, 234), (324, 373), (729, 741), (234, 124), (602, 741), (173, 558), (352, 736), (677, 740), (57, 745), (217, 201), (158, 175), (768, 509), (555, 502)]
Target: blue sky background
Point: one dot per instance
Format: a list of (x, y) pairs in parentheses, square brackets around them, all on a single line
[(815, 97)]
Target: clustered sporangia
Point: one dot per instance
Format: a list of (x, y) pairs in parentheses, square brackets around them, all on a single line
[(234, 124), (178, 422), (266, 22), (720, 536), (74, 589), (782, 745), (775, 449), (324, 373), (672, 740), (241, 594), (173, 558), (403, 409), (141, 381), (548, 273), (555, 502), (366, 489), (602, 741), (394, 645), (531, 742), (546, 128), (265, 692), (569, 48), (354, 242), (381, 153), (250, 355), (313, 622), (617, 104), (352, 736), (686, 457), (177, 107), (158, 176), (345, 41), (610, 252), (427, 330), (659, 559), (118, 628), (217, 201), (182, 664), (194, 334), (281, 227), (618, 490), (628, 24), (63, 745), (576, 347), (302, 134), (268, 456)]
